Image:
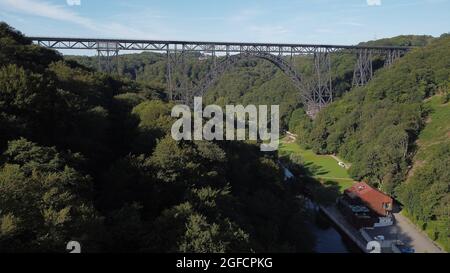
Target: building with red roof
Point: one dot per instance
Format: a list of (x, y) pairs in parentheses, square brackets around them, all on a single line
[(377, 201)]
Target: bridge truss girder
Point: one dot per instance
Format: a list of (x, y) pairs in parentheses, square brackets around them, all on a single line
[(162, 46)]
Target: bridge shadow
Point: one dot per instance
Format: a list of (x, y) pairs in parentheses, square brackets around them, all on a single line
[(325, 191), (321, 191), (314, 170)]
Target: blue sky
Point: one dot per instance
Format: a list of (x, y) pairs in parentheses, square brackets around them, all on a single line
[(288, 21)]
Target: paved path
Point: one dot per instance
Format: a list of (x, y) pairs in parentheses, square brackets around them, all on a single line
[(333, 178), (347, 165), (412, 236)]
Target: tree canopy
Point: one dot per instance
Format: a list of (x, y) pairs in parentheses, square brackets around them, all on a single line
[(88, 157)]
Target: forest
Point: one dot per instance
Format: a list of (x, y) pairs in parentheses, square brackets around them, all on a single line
[(88, 157)]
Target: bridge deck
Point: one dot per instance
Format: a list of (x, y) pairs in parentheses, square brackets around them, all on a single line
[(230, 47)]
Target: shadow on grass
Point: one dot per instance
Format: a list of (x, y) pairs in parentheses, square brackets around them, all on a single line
[(312, 169), (319, 190), (324, 192)]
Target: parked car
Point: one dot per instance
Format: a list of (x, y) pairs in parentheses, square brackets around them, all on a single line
[(342, 164), (379, 238), (404, 249)]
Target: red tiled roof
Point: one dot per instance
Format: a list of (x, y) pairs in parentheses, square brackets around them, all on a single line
[(372, 197)]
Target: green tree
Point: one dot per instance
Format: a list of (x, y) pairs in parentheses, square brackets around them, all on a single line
[(45, 202)]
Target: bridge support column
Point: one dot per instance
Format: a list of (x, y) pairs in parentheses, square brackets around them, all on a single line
[(322, 89), (169, 72), (363, 69), (214, 57), (108, 57), (391, 57), (177, 75)]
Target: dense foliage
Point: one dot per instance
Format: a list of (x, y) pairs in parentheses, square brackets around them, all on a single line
[(87, 157), (376, 127), (402, 40), (426, 195)]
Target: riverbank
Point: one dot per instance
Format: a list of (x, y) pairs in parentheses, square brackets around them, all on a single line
[(336, 217)]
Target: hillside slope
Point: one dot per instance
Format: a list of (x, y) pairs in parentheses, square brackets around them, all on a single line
[(402, 40), (375, 126), (425, 194), (399, 120)]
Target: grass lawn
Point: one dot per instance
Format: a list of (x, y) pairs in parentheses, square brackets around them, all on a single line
[(319, 166), (325, 169)]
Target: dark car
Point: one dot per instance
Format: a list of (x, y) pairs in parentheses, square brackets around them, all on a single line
[(404, 249)]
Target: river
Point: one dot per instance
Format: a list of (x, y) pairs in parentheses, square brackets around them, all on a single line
[(328, 237)]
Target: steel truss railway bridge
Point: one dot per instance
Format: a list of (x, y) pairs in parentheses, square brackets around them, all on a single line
[(315, 94)]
